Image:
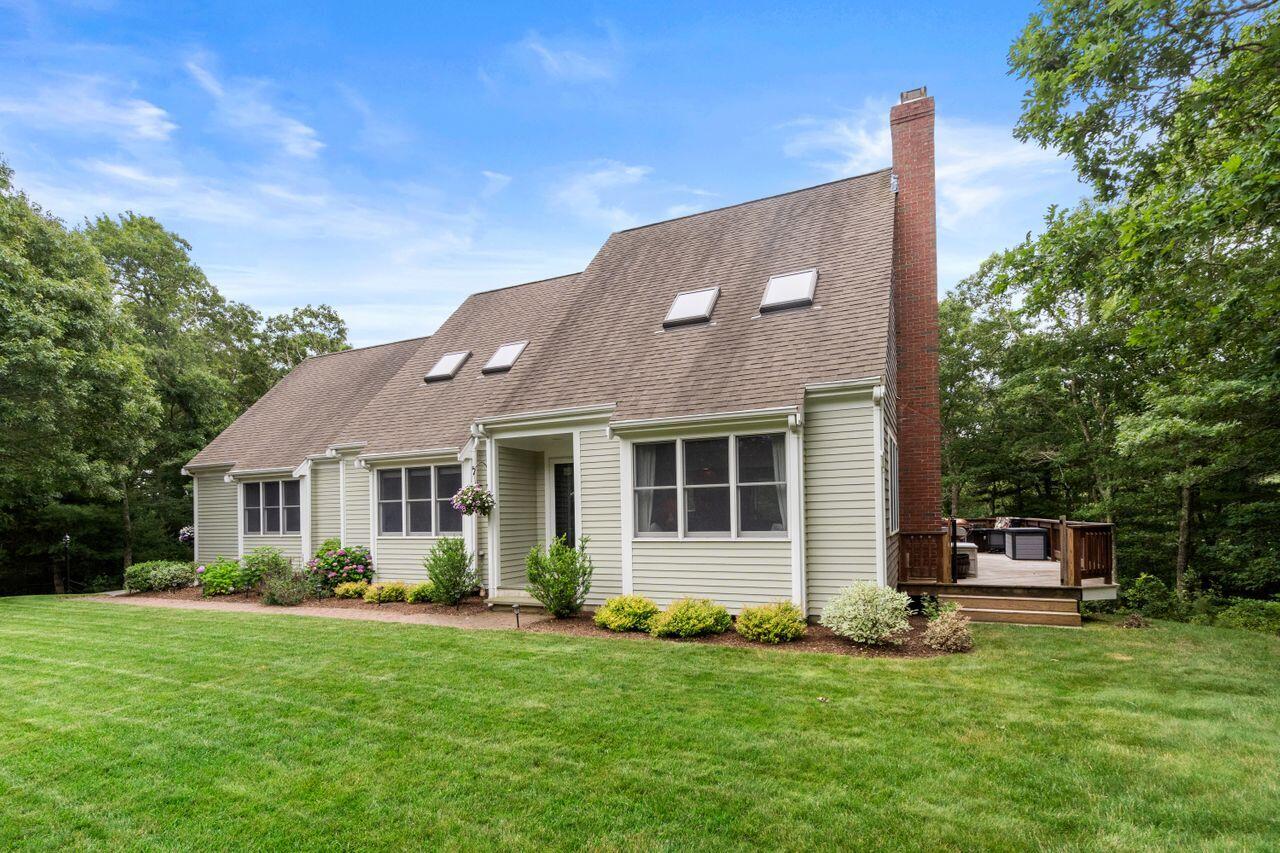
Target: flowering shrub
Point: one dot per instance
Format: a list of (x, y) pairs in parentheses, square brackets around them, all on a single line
[(948, 631), (868, 613), (340, 565), (158, 574), (473, 500), (626, 613), (771, 623), (187, 535), (691, 617), (351, 589), (221, 577)]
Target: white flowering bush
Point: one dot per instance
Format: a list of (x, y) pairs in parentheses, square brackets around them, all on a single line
[(868, 613)]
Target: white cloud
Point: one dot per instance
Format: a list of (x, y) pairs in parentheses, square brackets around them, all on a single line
[(495, 182), (583, 194), (244, 105), (992, 189), (86, 105), (577, 62)]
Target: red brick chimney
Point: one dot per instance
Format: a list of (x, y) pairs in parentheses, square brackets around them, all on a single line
[(915, 309)]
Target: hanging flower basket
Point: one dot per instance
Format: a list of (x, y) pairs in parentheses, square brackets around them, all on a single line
[(187, 535), (473, 500)]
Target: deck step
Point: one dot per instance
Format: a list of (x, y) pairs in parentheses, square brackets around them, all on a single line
[(503, 599), (1022, 617), (994, 602)]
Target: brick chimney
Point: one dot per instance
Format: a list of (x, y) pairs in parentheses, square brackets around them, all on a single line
[(915, 309)]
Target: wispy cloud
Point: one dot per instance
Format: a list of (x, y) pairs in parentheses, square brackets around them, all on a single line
[(244, 105), (583, 194), (494, 183), (575, 60), (89, 105)]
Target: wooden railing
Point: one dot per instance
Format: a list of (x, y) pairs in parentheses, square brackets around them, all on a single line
[(925, 556), (1088, 552)]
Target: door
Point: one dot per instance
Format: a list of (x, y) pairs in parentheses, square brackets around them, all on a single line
[(562, 484)]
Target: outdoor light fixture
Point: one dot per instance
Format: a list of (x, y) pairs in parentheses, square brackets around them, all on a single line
[(515, 608)]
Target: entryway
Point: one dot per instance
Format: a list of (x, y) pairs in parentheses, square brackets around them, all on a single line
[(563, 522)]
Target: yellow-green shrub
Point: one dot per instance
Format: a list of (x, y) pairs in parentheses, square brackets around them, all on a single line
[(771, 623), (690, 617), (420, 594), (383, 593), (626, 613), (351, 589)]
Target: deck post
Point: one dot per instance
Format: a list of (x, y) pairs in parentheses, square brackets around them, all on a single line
[(1063, 533)]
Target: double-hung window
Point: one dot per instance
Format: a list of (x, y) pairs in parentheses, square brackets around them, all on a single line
[(416, 501), (272, 507), (891, 460), (727, 486)]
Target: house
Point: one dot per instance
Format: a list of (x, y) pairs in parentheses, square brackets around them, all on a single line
[(740, 404)]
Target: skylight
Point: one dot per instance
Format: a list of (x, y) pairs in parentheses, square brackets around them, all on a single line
[(447, 366), (692, 306), (789, 291), (504, 357)]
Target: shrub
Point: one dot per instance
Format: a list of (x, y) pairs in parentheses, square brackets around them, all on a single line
[(351, 589), (690, 617), (220, 577), (868, 613), (949, 630), (626, 613), (333, 566), (560, 578), (158, 574), (771, 623), (1151, 597), (1251, 614), (286, 590), (102, 583), (1134, 620), (451, 571), (420, 594), (333, 543), (384, 593), (263, 563)]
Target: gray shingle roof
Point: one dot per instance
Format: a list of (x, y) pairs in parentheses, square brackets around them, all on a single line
[(597, 337)]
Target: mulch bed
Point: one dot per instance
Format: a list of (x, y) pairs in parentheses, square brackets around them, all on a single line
[(468, 606), (816, 639)]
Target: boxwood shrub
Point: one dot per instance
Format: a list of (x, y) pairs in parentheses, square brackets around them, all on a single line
[(771, 623), (351, 589), (626, 613), (450, 569), (691, 617), (383, 593), (423, 593)]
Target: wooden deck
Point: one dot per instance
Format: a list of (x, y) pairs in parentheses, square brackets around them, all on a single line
[(999, 570)]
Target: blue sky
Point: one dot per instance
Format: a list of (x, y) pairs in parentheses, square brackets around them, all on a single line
[(391, 160)]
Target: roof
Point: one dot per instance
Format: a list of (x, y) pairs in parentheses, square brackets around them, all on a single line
[(596, 337)]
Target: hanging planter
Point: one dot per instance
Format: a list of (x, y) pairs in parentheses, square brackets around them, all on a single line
[(187, 535), (473, 500)]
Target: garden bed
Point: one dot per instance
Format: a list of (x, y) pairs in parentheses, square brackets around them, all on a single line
[(816, 639), (468, 607)]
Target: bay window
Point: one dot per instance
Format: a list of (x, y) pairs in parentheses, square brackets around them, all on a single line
[(272, 507), (726, 486), (415, 501)]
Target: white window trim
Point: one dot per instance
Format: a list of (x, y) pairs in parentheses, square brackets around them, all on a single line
[(892, 473), (262, 507), (434, 500), (734, 534)]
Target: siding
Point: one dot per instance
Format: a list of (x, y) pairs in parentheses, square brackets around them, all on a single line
[(358, 531), (599, 482), (482, 523), (326, 502), (747, 571), (520, 478), (839, 506), (290, 545), (217, 528), (400, 558)]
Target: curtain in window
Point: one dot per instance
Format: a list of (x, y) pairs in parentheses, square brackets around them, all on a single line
[(655, 494), (779, 473)]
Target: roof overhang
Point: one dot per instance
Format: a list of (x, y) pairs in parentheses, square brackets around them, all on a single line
[(367, 460), (542, 422), (843, 387), (747, 419), (192, 469), (254, 473)]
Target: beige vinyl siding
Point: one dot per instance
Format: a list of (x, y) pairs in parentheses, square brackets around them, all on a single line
[(358, 530), (746, 571), (891, 560), (520, 482), (840, 503), (288, 544), (326, 502), (400, 558), (599, 482), (217, 530)]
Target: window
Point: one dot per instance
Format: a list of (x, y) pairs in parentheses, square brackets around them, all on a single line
[(789, 291), (273, 507), (504, 357), (417, 501), (448, 365), (693, 306), (657, 507), (891, 459), (731, 486)]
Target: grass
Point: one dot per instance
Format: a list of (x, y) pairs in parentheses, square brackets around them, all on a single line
[(128, 727)]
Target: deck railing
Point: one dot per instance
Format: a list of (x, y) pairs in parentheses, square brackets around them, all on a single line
[(1083, 549)]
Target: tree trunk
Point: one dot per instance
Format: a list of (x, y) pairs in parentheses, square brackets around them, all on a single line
[(955, 499), (1184, 535), (128, 527), (59, 585)]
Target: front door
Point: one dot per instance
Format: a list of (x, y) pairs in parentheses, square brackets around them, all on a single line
[(562, 479)]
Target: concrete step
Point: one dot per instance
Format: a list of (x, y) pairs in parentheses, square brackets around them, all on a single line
[(994, 602), (1022, 617), (503, 599)]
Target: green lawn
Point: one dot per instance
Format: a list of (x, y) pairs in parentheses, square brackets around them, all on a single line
[(125, 727)]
